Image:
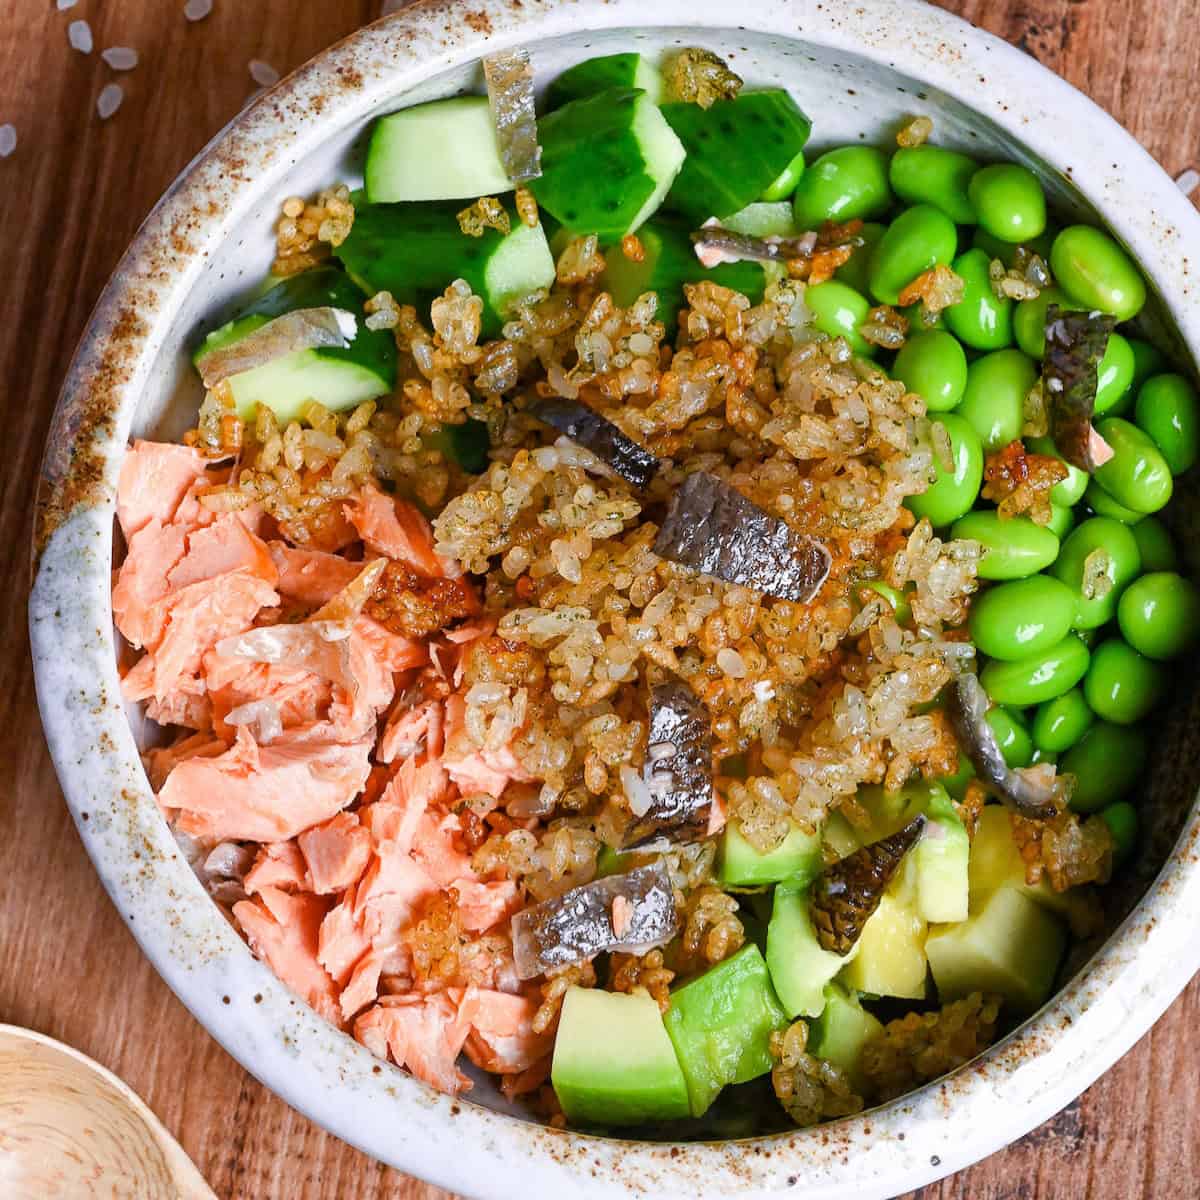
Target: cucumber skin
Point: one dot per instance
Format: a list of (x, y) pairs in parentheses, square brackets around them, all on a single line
[(735, 150), (595, 75)]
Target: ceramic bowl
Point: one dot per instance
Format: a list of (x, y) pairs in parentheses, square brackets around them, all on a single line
[(857, 69)]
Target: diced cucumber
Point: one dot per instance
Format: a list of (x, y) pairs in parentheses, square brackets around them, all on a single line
[(763, 220), (839, 1034), (289, 384), (599, 74), (797, 858), (415, 251), (607, 162), (799, 967), (443, 150), (941, 858), (735, 150), (668, 262), (995, 862)]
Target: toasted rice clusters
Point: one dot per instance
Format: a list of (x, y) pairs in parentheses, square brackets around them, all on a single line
[(642, 975), (1070, 850), (711, 929), (810, 1089), (1020, 483), (306, 231)]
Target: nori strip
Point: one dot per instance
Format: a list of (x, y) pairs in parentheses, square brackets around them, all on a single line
[(467, 445), (679, 767), (1075, 344), (579, 924), (1022, 791), (848, 893), (592, 431), (712, 528)]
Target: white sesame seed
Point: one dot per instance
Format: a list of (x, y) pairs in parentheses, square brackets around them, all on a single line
[(120, 58), (1188, 181), (197, 10), (263, 73), (8, 140), (63, 5), (109, 100), (79, 34)]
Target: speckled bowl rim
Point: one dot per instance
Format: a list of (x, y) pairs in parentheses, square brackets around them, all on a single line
[(461, 1146)]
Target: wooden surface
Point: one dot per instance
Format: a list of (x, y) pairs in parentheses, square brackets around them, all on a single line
[(70, 199)]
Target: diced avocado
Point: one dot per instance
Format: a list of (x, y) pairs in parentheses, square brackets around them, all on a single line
[(796, 858), (1008, 945), (763, 220), (840, 836), (891, 948), (736, 150), (415, 251), (613, 1061), (721, 1025), (891, 811), (799, 967), (607, 71), (996, 862), (840, 1032), (941, 860), (443, 150), (607, 162)]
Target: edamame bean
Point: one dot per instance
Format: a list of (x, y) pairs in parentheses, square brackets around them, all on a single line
[(956, 784), (1122, 822), (919, 239), (1038, 678), (953, 492), (839, 310), (1067, 491), (1155, 545), (1137, 475), (1029, 320), (1095, 272), (994, 400), (1009, 202), (1120, 562), (1106, 762), (1013, 620), (1043, 756), (901, 609), (786, 182), (934, 175), (1012, 548), (847, 183), (1167, 412), (1147, 360), (1103, 505), (1060, 723), (934, 365), (1121, 685), (1114, 373), (1062, 520), (981, 319), (1011, 735), (853, 272), (1159, 614)]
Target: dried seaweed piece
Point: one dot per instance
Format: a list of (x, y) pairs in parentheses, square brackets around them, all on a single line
[(701, 77), (1034, 792), (633, 912), (848, 893), (509, 78), (712, 528), (1075, 344), (587, 427), (678, 775), (715, 244)]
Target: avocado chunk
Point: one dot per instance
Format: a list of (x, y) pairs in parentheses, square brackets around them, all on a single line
[(800, 967), (839, 1034), (796, 858), (995, 862), (613, 1061), (891, 948), (1009, 945), (941, 858), (721, 1026), (840, 836)]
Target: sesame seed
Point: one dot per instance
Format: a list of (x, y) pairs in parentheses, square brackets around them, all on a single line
[(79, 34), (109, 100)]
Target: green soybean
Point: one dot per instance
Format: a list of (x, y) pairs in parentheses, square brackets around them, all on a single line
[(953, 492), (1013, 548), (1103, 505), (1011, 735), (994, 400), (1122, 821), (1013, 620), (1121, 685), (901, 609), (1029, 319), (844, 184), (1155, 545), (1067, 491), (853, 272), (919, 239), (1038, 678), (981, 319), (839, 310), (1060, 723), (934, 366), (1009, 202), (1137, 475), (787, 180), (1159, 614), (1121, 564), (1107, 762), (1062, 520), (1095, 272), (1147, 360), (1114, 373), (1042, 756), (956, 784), (1168, 413), (934, 175)]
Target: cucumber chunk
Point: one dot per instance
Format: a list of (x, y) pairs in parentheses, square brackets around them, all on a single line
[(599, 74), (607, 162), (443, 150), (735, 150), (415, 251)]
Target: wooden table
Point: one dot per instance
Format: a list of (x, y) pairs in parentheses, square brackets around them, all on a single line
[(70, 199)]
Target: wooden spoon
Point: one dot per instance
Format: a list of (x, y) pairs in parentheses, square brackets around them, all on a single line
[(70, 1129)]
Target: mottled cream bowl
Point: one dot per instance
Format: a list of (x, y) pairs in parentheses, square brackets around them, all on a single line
[(857, 69)]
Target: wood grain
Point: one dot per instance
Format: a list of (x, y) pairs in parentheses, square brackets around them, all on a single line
[(70, 199)]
